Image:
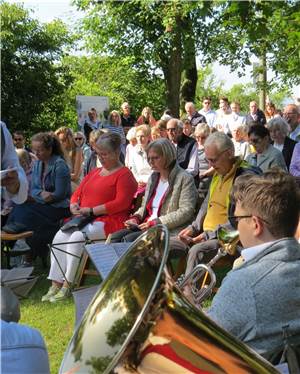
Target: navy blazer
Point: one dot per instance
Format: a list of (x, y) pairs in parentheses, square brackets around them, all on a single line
[(261, 119), (288, 148)]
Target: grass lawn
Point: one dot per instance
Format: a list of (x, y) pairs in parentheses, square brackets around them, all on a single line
[(55, 321)]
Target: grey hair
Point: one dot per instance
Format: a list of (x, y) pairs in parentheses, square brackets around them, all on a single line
[(178, 122), (220, 140), (110, 141), (189, 103), (278, 123), (165, 149)]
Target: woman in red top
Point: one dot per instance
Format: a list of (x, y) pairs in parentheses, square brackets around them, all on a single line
[(105, 193)]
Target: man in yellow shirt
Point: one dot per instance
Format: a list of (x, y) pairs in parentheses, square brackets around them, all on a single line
[(217, 206)]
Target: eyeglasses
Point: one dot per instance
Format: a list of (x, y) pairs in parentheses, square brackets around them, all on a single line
[(234, 220), (202, 137), (255, 140), (214, 160), (18, 139), (78, 138), (172, 129)]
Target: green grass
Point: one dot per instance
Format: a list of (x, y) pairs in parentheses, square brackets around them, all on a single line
[(55, 321)]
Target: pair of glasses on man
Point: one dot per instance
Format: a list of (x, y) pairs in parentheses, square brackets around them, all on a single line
[(234, 220)]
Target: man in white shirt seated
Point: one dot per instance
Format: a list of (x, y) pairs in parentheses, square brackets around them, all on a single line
[(207, 112), (260, 296), (22, 348)]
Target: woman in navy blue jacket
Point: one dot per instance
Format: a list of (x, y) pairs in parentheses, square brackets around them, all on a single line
[(49, 198)]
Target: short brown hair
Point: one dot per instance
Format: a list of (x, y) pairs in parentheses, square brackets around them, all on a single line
[(274, 196)]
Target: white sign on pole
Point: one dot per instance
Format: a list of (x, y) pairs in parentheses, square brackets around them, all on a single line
[(85, 103)]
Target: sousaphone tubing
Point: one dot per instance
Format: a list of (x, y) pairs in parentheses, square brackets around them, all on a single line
[(139, 321)]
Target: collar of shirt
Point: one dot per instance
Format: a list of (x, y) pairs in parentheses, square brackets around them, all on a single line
[(294, 134), (251, 252)]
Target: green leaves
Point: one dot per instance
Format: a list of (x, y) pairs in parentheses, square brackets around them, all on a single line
[(32, 78)]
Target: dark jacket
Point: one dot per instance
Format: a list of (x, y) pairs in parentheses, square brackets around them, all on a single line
[(288, 148), (260, 120), (197, 118), (184, 149), (128, 121)]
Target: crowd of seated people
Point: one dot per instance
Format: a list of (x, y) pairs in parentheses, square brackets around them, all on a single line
[(166, 161)]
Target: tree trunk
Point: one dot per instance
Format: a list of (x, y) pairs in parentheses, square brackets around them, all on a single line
[(172, 71), (188, 88), (190, 75), (262, 81)]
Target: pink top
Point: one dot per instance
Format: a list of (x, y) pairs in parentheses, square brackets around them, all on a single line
[(115, 191)]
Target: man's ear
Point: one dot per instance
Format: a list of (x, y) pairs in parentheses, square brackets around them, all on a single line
[(258, 226), (230, 153)]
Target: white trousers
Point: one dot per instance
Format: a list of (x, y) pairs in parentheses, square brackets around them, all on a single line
[(67, 262)]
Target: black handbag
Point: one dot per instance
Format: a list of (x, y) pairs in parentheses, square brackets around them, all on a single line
[(77, 223)]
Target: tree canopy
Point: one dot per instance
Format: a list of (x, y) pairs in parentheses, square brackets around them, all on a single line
[(33, 80)]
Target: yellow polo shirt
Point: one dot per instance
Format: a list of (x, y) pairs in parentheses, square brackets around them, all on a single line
[(217, 210)]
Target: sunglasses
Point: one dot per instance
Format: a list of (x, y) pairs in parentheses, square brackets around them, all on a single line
[(78, 138), (18, 139)]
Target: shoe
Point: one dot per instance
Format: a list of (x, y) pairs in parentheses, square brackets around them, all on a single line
[(26, 264), (53, 290), (14, 228), (63, 294), (20, 246)]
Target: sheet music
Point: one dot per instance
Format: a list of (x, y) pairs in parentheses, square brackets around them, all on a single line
[(121, 248), (19, 280), (82, 299), (105, 256), (15, 274)]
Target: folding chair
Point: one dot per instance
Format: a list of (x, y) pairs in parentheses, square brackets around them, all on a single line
[(6, 245)]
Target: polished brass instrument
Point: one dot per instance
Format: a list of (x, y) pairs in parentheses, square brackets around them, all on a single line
[(198, 277), (138, 303)]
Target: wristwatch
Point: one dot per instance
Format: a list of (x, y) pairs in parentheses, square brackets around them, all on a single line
[(91, 212)]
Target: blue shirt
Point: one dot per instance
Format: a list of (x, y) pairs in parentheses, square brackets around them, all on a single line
[(22, 350)]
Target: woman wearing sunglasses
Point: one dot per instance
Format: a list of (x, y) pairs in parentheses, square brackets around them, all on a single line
[(266, 156)]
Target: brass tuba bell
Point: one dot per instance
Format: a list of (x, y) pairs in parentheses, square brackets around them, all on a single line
[(139, 305), (197, 278)]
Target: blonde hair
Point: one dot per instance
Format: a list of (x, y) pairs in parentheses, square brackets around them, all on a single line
[(145, 129), (202, 129)]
